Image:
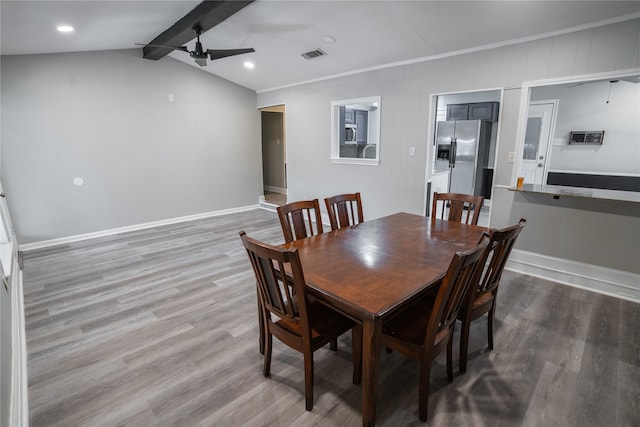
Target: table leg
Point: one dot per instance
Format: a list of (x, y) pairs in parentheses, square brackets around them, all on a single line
[(371, 330)]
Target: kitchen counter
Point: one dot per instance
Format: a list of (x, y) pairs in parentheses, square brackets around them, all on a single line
[(590, 193)]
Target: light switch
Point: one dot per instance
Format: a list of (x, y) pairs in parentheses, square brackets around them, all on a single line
[(511, 157)]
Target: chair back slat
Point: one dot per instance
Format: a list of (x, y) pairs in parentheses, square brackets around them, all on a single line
[(457, 207), (300, 219), (344, 210), (462, 275), (280, 281), (501, 242)]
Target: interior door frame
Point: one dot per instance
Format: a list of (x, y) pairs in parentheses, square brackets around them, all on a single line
[(551, 133), (277, 108), (431, 138)]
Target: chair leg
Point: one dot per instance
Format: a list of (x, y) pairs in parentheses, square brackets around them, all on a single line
[(450, 358), (268, 343), (333, 345), (490, 327), (423, 391), (260, 328), (308, 381), (356, 339), (464, 344)]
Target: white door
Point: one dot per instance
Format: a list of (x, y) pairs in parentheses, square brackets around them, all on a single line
[(537, 140)]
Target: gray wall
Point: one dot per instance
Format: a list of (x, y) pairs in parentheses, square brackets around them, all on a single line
[(106, 117), (6, 353), (602, 233)]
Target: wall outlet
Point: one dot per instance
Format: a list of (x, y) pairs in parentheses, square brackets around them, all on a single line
[(511, 157), (412, 151)]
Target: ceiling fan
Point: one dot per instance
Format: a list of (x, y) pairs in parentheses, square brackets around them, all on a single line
[(199, 54)]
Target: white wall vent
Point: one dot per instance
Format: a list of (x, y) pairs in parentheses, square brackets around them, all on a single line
[(313, 54)]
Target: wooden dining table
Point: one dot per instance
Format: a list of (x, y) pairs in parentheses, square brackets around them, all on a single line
[(374, 269)]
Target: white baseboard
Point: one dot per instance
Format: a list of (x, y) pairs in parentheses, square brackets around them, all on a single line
[(79, 237), (19, 405), (607, 281), (273, 189)]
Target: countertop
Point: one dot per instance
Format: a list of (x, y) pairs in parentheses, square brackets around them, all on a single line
[(589, 193)]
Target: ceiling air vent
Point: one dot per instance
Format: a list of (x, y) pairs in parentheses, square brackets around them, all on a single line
[(313, 54)]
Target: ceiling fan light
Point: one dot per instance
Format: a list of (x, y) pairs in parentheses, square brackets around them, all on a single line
[(65, 28), (250, 65)]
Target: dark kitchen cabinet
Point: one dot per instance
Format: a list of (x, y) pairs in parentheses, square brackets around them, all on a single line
[(473, 111), (484, 111), (362, 122), (457, 112)]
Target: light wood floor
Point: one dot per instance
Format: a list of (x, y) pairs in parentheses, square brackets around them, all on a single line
[(159, 328)]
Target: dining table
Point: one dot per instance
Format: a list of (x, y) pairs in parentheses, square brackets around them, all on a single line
[(373, 270)]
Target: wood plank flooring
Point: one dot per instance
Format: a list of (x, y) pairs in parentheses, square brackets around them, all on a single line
[(159, 328)]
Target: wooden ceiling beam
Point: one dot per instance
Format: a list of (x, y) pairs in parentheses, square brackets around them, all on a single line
[(207, 14)]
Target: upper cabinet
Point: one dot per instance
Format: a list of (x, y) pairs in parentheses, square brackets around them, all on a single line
[(349, 115), (473, 111), (362, 123)]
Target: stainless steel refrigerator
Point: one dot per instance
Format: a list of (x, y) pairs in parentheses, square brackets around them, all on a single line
[(462, 149)]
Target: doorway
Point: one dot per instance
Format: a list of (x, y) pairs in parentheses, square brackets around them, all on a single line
[(274, 163), (535, 155), (459, 169)]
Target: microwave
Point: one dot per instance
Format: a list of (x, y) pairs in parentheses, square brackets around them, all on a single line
[(350, 133)]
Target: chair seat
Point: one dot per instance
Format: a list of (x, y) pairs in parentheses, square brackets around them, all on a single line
[(482, 300), (324, 321), (410, 326)]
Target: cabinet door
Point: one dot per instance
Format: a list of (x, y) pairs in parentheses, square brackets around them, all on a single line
[(349, 115), (457, 111), (362, 120), (483, 111)]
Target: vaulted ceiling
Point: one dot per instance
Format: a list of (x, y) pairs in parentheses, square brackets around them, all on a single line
[(355, 35)]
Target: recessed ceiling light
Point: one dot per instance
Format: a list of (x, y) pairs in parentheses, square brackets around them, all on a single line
[(328, 39), (65, 28), (249, 65)]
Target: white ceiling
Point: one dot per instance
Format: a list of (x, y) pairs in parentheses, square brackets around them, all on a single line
[(368, 34)]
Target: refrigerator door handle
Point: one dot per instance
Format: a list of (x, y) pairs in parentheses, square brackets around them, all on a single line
[(452, 153)]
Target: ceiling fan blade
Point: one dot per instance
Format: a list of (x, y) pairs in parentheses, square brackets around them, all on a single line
[(201, 62), (183, 48), (223, 53)]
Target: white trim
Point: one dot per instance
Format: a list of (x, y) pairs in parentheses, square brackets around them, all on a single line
[(110, 232), (607, 281), (273, 189), (490, 46), (19, 404), (355, 161)]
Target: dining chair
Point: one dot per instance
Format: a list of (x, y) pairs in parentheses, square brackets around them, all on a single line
[(425, 329), (300, 219), (482, 299), (344, 210), (290, 315), (463, 208)]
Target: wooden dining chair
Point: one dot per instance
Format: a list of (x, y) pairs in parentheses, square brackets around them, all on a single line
[(344, 210), (300, 219), (426, 328), (288, 314), (482, 299), (457, 207)]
